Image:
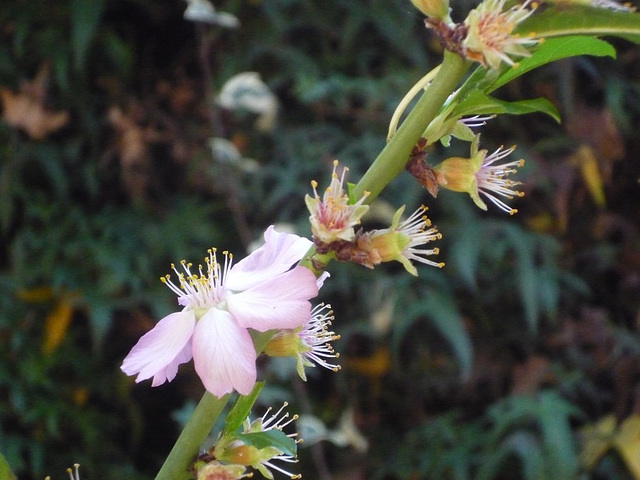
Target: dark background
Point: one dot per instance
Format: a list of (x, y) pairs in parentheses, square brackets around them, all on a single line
[(495, 367)]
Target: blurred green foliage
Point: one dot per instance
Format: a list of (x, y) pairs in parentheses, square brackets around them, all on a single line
[(487, 369)]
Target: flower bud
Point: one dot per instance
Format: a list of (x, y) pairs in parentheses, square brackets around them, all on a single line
[(457, 174), (215, 470), (438, 9), (240, 454), (285, 343)]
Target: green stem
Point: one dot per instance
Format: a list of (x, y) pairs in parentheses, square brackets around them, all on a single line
[(393, 158), (182, 455)]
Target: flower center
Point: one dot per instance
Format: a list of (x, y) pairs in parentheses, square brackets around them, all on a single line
[(202, 290), (495, 30)]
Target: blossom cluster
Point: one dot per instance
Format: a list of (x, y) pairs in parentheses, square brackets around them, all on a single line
[(234, 452), (225, 305), (335, 216), (222, 303)]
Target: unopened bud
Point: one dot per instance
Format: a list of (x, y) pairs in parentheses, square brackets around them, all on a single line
[(285, 343), (437, 9), (240, 455)]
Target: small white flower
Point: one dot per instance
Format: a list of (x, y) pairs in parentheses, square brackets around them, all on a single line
[(247, 91), (226, 152), (204, 11), (313, 430)]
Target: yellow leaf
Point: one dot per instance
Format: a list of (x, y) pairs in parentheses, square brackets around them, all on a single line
[(35, 295), (374, 366), (543, 222), (586, 159), (80, 396), (56, 325), (627, 442), (598, 438)]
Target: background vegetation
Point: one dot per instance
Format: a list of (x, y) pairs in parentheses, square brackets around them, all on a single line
[(520, 359)]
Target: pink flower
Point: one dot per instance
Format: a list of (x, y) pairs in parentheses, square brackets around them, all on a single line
[(490, 38), (261, 292), (334, 216)]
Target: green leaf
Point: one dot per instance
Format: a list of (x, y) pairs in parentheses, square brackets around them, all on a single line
[(242, 408), (582, 20), (85, 19), (441, 310), (271, 438), (554, 419), (525, 446), (479, 103), (465, 252), (525, 250), (551, 50), (5, 470)]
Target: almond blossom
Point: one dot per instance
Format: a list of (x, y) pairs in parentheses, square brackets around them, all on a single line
[(221, 302), (334, 216), (490, 38), (479, 174), (400, 242)]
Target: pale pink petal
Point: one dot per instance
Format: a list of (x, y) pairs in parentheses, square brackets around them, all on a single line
[(162, 349), (169, 373), (279, 303), (223, 354), (279, 253)]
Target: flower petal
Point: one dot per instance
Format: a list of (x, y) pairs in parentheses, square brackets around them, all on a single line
[(279, 253), (223, 354), (169, 372), (282, 302), (159, 351)]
